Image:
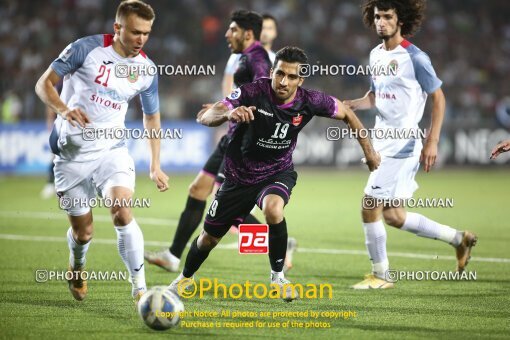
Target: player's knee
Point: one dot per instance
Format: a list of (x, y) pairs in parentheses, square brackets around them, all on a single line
[(273, 211), (84, 235), (199, 191), (394, 217), (206, 241), (121, 216)]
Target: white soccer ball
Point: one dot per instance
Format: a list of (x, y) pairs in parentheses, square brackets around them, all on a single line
[(159, 308)]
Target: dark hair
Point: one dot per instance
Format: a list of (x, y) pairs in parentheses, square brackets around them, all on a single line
[(267, 16), (137, 7), (291, 54), (409, 12), (248, 20)]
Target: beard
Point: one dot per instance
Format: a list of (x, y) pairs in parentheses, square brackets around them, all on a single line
[(386, 37)]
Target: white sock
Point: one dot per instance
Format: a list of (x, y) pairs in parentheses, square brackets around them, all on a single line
[(130, 245), (277, 275), (77, 251), (422, 226), (375, 240)]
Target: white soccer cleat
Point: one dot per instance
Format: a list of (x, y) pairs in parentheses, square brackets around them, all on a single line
[(373, 282), (291, 248), (287, 291), (181, 284), (163, 259)]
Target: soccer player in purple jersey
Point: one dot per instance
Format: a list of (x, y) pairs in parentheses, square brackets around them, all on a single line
[(243, 37), (269, 113), (95, 96)]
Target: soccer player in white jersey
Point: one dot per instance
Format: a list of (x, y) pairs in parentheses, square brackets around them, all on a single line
[(95, 96), (400, 101)]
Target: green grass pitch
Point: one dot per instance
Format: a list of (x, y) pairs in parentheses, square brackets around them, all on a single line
[(323, 215)]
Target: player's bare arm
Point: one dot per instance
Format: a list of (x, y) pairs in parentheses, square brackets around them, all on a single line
[(503, 146), (364, 103), (45, 89), (219, 113), (153, 123), (429, 151), (373, 159)]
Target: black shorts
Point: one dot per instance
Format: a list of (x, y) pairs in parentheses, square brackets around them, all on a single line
[(233, 202), (215, 164)]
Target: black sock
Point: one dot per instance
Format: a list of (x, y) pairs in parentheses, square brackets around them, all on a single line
[(188, 223), (194, 259), (277, 245), (250, 219)]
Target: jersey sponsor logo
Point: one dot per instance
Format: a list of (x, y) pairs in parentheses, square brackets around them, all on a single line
[(297, 120), (235, 94), (107, 62), (106, 102), (265, 113), (253, 239), (383, 95)]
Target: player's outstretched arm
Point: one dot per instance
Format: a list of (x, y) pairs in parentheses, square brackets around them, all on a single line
[(503, 146), (219, 113), (45, 89), (152, 123), (364, 103), (429, 152), (373, 159)]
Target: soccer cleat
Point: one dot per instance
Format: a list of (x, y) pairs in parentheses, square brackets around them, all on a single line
[(163, 259), (464, 250), (291, 248), (181, 284), (373, 282), (137, 294), (77, 285), (287, 290)]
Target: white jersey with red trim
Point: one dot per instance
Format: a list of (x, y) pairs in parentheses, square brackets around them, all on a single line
[(400, 97), (96, 80)]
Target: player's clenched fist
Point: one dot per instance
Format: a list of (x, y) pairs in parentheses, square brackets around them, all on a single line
[(75, 115), (242, 114)]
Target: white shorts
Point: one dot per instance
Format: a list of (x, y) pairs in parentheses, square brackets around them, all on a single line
[(83, 181), (394, 178)]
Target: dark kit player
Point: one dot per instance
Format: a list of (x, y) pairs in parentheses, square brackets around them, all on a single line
[(269, 113), (243, 36)]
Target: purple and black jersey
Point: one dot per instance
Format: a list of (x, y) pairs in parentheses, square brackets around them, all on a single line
[(254, 64), (263, 148)]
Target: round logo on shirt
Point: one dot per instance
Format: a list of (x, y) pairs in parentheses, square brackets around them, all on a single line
[(235, 94), (133, 76), (393, 66)]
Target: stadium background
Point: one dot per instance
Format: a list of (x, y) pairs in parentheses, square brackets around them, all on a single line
[(469, 44)]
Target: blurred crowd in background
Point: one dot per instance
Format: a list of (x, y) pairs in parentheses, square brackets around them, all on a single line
[(468, 42)]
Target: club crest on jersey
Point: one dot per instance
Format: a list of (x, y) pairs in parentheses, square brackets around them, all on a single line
[(297, 120), (235, 94), (393, 67), (133, 76)]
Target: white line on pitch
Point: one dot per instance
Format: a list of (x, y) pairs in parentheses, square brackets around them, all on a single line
[(97, 217), (234, 246)]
